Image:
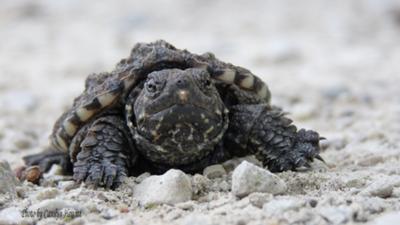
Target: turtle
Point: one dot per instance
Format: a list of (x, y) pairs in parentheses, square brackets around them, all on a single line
[(163, 108)]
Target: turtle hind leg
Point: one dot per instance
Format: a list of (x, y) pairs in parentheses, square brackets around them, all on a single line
[(48, 158)]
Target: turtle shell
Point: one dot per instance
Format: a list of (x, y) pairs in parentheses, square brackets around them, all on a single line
[(107, 91)]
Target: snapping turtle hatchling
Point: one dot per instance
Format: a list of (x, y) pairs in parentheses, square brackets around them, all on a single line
[(165, 108)]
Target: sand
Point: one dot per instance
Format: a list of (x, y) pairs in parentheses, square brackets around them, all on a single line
[(333, 65)]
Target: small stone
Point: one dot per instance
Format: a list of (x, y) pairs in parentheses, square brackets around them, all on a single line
[(313, 203), (381, 188), (33, 174), (8, 181), (172, 187), (279, 206), (214, 171), (259, 199), (248, 178), (47, 193)]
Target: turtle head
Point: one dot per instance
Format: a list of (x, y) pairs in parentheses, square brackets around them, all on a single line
[(180, 113)]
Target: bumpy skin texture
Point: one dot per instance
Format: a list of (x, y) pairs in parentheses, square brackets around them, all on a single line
[(165, 108)]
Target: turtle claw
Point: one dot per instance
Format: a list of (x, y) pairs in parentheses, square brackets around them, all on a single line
[(100, 174), (320, 158)]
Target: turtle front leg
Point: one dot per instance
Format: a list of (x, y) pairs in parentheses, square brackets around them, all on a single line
[(266, 132), (106, 154)]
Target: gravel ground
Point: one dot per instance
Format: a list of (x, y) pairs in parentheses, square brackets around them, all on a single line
[(334, 65)]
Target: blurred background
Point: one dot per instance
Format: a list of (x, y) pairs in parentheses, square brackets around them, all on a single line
[(334, 65)]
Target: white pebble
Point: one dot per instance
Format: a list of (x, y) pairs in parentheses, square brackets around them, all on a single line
[(172, 187), (248, 178)]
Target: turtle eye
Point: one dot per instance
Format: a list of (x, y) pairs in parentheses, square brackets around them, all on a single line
[(151, 86), (207, 82)]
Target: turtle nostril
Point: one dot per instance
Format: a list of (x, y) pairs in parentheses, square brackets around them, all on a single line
[(181, 83)]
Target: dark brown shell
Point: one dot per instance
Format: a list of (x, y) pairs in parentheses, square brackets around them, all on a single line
[(107, 90)]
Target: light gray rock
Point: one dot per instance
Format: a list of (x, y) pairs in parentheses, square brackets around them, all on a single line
[(8, 181), (214, 171), (248, 178), (172, 187), (382, 188)]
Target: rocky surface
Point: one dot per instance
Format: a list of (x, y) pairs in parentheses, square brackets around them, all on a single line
[(334, 65)]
